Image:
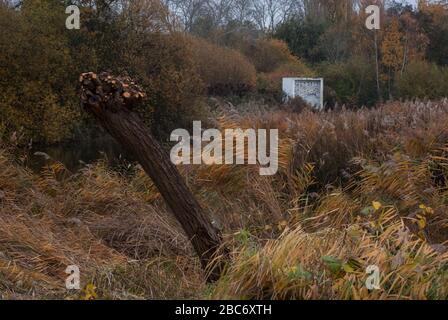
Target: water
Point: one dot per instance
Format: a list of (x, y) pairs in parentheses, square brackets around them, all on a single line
[(75, 155)]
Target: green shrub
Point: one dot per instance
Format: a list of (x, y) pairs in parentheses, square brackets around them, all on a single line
[(422, 80), (37, 81), (352, 83)]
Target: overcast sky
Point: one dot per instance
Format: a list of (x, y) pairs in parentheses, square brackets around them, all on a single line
[(413, 2)]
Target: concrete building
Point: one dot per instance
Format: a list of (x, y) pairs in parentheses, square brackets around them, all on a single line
[(309, 89)]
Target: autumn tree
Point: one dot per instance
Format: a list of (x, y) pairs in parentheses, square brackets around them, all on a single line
[(36, 75), (392, 51), (415, 41), (433, 19)]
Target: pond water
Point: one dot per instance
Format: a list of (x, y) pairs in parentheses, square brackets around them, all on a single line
[(75, 155)]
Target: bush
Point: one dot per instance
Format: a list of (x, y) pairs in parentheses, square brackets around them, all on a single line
[(268, 54), (352, 83), (302, 37), (166, 69), (298, 105), (271, 83), (35, 111), (273, 61), (38, 86), (422, 80), (224, 71), (39, 94)]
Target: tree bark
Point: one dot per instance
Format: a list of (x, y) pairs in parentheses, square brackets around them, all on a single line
[(111, 100), (377, 67)]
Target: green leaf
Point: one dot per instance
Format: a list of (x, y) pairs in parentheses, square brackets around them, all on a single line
[(368, 211), (347, 268), (333, 264), (299, 272), (355, 264)]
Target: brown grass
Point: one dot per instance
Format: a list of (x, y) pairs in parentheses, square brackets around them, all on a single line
[(351, 184)]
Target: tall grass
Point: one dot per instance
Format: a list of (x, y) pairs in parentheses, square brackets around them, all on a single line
[(355, 188)]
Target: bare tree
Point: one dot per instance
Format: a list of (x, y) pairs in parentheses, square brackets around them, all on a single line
[(267, 14), (242, 10), (188, 11), (220, 11)]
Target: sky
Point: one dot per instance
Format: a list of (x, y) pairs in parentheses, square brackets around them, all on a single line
[(413, 2)]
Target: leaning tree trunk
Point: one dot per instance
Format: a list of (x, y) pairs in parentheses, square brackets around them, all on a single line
[(111, 100)]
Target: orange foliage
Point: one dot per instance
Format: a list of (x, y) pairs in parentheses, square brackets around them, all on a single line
[(268, 54), (392, 46), (270, 83), (223, 70)]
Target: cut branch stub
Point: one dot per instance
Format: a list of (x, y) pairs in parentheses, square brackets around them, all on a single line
[(111, 100), (110, 92)]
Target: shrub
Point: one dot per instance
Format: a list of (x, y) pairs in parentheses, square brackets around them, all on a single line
[(39, 95), (352, 83), (271, 83), (38, 86), (273, 61), (422, 80), (298, 105), (166, 69), (302, 37), (36, 112), (268, 54), (224, 71)]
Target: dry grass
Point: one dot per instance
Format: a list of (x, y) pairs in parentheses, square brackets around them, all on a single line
[(95, 220), (356, 183), (331, 264), (355, 188)]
